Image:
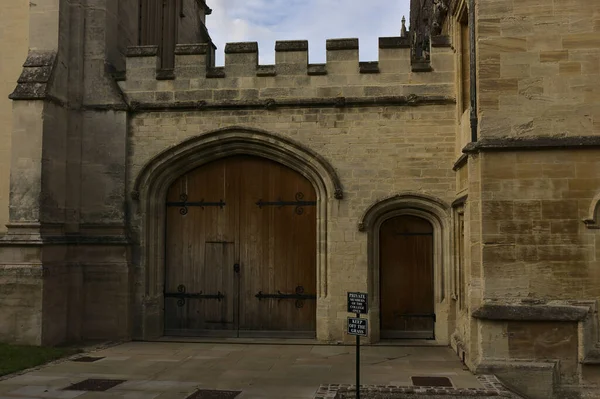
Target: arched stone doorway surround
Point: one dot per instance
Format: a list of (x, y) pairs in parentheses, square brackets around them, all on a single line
[(436, 212), (148, 210)]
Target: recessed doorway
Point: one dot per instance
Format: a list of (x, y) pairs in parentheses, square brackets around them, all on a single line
[(406, 278)]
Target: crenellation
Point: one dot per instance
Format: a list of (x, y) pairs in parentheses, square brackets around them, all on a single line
[(195, 62), (342, 56), (291, 78), (394, 55), (191, 60), (394, 42), (142, 63), (282, 46), (291, 57), (241, 59)]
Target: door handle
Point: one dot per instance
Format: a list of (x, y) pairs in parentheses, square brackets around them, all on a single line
[(236, 268)]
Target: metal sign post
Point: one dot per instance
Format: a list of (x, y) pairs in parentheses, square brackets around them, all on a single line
[(357, 303)]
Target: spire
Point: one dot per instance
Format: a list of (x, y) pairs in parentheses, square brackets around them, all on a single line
[(403, 31)]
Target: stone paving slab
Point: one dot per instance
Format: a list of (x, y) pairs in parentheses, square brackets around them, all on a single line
[(173, 370)]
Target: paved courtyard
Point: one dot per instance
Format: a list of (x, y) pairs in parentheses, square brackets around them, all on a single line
[(172, 370)]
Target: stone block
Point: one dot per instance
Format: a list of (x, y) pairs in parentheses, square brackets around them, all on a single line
[(535, 379)]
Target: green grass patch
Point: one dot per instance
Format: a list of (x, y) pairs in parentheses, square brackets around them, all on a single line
[(19, 357)]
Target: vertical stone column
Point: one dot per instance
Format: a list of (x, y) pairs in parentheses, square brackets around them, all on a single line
[(65, 256), (37, 198)]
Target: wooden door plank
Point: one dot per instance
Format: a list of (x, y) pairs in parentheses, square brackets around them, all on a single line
[(201, 249), (274, 248), (406, 275)]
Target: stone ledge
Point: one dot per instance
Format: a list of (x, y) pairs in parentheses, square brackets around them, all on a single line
[(35, 75), (342, 44), (191, 49), (394, 42), (29, 91), (37, 58), (267, 104), (317, 69), (266, 70), (291, 45), (10, 240), (524, 312), (510, 143), (369, 67), (142, 51), (33, 83), (241, 48)]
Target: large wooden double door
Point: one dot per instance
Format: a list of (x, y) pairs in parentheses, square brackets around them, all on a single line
[(241, 251), (406, 278)]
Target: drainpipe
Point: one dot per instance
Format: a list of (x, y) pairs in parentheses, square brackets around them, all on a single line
[(473, 67)]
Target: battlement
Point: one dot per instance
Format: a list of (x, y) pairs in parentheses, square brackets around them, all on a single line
[(195, 78)]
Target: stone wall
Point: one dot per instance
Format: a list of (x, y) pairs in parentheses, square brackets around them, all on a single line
[(385, 129), (536, 244), (14, 33), (532, 183), (539, 68)]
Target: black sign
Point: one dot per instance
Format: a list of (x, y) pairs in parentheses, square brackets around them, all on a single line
[(357, 326), (357, 303)]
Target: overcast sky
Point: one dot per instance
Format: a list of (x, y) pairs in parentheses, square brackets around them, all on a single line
[(265, 21)]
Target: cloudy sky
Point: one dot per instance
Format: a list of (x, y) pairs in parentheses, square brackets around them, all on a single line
[(265, 21)]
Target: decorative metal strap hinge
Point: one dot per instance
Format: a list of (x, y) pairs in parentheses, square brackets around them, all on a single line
[(299, 203), (182, 295), (184, 204), (299, 296)]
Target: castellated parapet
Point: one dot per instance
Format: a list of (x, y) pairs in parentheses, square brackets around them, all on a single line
[(292, 81)]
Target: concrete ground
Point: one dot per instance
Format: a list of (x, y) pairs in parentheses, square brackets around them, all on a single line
[(171, 370)]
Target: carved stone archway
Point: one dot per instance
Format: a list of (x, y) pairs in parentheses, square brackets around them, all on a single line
[(434, 211), (148, 206)]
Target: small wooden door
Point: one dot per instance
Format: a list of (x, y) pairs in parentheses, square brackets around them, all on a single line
[(406, 278), (241, 251)]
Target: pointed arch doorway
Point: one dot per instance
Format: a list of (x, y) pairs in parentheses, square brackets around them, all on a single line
[(407, 278), (240, 253)]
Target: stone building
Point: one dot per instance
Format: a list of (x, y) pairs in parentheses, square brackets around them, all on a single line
[(153, 193)]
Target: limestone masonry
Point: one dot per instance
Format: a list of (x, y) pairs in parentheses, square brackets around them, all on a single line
[(458, 186)]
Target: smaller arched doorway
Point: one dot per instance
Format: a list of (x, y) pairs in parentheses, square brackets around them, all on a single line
[(406, 283)]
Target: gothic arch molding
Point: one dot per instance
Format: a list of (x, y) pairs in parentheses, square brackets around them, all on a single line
[(151, 185), (424, 202), (436, 212), (239, 140)]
